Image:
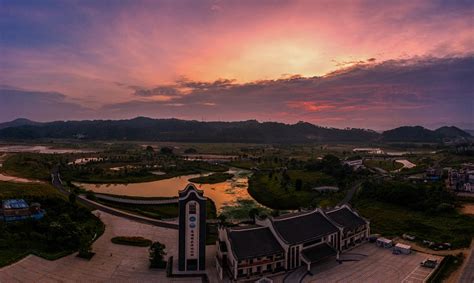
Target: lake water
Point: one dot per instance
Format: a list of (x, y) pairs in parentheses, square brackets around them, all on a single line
[(223, 194), (40, 149)]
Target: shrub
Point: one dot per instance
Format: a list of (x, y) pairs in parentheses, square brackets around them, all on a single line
[(131, 241), (157, 253)]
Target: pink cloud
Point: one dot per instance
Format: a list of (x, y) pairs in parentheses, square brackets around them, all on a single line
[(309, 106)]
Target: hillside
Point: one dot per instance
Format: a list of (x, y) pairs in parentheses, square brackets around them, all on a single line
[(251, 131), (142, 128), (420, 134), (18, 122), (452, 132)]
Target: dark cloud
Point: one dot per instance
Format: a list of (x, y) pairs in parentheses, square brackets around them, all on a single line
[(37, 105), (391, 93), (425, 91)]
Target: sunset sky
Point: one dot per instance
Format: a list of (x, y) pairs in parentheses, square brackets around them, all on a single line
[(369, 64)]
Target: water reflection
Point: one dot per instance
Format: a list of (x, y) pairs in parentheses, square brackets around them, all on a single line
[(223, 194), (40, 149)]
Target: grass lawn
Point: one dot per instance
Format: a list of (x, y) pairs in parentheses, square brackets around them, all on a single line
[(27, 190), (30, 165), (212, 179), (392, 220), (59, 233), (268, 190), (387, 165)]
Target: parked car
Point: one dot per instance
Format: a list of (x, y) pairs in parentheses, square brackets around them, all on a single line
[(440, 246), (408, 237), (428, 243), (430, 263), (372, 239)]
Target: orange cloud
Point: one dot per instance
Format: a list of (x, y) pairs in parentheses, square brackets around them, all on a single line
[(309, 106)]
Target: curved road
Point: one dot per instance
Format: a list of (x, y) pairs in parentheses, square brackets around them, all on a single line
[(350, 194)]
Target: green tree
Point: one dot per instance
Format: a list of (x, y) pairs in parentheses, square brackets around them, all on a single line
[(72, 198), (166, 150), (149, 148), (298, 184), (253, 213), (157, 254), (85, 247), (222, 218)]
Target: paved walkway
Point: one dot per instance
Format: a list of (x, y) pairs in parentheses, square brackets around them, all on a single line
[(112, 263), (136, 201)]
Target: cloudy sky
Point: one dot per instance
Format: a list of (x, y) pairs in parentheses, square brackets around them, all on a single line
[(370, 64)]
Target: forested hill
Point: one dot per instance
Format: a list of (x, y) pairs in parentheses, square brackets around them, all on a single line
[(148, 129), (420, 134)]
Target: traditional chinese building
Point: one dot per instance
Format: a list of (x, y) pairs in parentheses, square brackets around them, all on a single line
[(279, 244)]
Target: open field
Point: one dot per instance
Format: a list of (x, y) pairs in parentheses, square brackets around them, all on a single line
[(387, 165), (392, 220), (27, 190), (272, 190)]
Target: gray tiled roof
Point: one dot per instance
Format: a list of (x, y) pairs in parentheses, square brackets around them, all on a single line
[(346, 218), (303, 227), (253, 242)]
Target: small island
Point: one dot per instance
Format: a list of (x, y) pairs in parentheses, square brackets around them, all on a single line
[(212, 179)]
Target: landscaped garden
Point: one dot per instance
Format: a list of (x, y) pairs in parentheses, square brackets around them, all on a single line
[(65, 228)]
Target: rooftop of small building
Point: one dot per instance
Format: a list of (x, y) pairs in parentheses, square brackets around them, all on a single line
[(345, 217), (303, 227), (252, 242), (14, 204)]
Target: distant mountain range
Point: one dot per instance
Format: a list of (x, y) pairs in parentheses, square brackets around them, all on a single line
[(251, 131), (18, 122)]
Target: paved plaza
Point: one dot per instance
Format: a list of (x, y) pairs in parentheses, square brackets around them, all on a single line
[(373, 264), (112, 262)]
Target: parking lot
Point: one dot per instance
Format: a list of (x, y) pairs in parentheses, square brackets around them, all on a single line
[(369, 263)]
